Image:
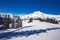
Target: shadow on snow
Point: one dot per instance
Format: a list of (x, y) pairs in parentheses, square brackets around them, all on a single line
[(8, 35)]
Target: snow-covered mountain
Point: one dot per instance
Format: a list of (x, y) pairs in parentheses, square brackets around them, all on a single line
[(38, 14)]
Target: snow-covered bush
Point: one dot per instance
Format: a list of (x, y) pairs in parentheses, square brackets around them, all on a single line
[(51, 20)]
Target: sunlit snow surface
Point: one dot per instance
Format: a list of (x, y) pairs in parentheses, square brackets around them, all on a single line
[(35, 30), (39, 14)]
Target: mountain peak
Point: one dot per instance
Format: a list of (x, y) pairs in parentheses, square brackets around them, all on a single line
[(38, 12)]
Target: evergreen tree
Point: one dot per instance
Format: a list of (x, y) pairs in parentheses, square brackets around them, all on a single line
[(40, 19), (13, 23), (19, 22), (1, 20), (30, 20), (6, 21)]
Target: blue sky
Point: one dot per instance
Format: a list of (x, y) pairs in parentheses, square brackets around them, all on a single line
[(29, 6)]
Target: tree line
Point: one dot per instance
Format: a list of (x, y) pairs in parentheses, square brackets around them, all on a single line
[(6, 21), (50, 20)]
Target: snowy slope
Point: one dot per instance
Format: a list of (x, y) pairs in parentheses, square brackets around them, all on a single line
[(33, 31), (50, 35)]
